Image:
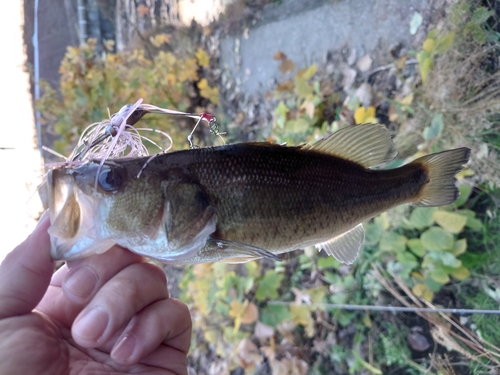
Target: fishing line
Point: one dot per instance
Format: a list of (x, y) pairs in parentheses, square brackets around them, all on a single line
[(395, 309)]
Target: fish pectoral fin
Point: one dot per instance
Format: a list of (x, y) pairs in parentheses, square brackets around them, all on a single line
[(237, 252), (189, 217), (365, 144), (345, 247)]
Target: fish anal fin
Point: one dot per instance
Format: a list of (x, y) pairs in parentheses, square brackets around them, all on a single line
[(345, 247), (366, 144), (237, 252)]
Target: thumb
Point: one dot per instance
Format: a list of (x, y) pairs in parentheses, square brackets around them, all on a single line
[(25, 273)]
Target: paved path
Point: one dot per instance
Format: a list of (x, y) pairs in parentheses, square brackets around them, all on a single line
[(306, 31)]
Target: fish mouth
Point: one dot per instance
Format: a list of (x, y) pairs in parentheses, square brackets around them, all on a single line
[(71, 235)]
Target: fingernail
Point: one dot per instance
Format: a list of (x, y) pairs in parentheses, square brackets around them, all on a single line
[(80, 282), (92, 325), (124, 349)]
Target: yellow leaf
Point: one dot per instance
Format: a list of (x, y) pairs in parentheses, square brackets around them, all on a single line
[(425, 67), (308, 72), (450, 221), (188, 71), (429, 45), (421, 290), (302, 315), (237, 309), (160, 39), (203, 84), (460, 273), (466, 172), (364, 115), (408, 99), (203, 58)]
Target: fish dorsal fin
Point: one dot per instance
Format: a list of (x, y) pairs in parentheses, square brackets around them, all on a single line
[(366, 144), (345, 247)]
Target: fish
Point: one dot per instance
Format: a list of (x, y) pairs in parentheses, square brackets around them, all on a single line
[(244, 201)]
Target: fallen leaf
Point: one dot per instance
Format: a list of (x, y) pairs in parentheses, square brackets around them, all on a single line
[(364, 63), (364, 94), (416, 21), (279, 56), (286, 66), (364, 115), (349, 77), (160, 39), (263, 331), (248, 355), (142, 10), (203, 58), (418, 342), (251, 314)]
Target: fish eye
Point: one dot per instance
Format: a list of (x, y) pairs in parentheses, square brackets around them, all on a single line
[(111, 179)]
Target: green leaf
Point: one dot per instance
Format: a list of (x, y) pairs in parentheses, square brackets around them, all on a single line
[(481, 15), (422, 217), (449, 260), (459, 247), (432, 284), (298, 126), (373, 232), (281, 112), (268, 286), (436, 239), (435, 128), (272, 315), (465, 191), (439, 276), (302, 87), (444, 43), (393, 241), (416, 247), (474, 224), (450, 221), (327, 262)]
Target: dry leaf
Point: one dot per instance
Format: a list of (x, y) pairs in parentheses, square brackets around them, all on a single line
[(279, 56), (248, 355), (286, 66), (142, 10), (251, 314), (364, 63), (364, 94), (349, 77), (263, 331)]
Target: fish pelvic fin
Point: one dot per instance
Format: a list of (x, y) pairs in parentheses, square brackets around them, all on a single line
[(366, 144), (345, 247), (441, 169)]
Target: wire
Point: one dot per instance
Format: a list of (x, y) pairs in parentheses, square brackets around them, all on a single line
[(390, 308)]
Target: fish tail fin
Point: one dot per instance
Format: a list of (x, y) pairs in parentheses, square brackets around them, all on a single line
[(441, 169)]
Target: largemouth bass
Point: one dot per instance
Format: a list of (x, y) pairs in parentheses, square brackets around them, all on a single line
[(240, 202)]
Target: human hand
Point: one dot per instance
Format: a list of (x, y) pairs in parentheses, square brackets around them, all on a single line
[(108, 313)]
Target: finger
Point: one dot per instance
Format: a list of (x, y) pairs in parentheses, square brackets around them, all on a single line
[(72, 288), (117, 302), (25, 273), (88, 275), (165, 321)]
